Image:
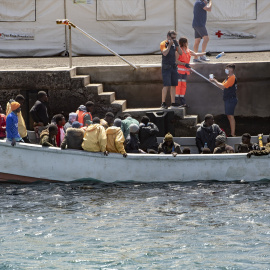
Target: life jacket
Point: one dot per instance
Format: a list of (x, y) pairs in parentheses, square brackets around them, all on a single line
[(185, 58), (81, 115)]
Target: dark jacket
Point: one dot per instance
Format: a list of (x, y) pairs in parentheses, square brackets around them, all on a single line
[(132, 144), (208, 135), (148, 136), (73, 139), (46, 140), (39, 113), (163, 149)]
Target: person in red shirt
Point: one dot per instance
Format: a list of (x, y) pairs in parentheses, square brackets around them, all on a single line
[(60, 122), (183, 61), (2, 124)]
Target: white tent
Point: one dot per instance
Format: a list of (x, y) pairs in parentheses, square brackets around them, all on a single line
[(28, 27)]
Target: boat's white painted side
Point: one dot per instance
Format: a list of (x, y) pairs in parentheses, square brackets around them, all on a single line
[(68, 165)]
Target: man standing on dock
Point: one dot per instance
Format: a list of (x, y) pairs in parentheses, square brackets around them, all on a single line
[(199, 24), (169, 68)]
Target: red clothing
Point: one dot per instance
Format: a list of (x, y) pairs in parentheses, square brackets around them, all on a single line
[(2, 126), (60, 135)]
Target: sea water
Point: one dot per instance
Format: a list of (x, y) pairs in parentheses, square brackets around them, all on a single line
[(91, 225)]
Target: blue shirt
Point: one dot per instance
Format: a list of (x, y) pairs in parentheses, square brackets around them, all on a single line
[(200, 15), (12, 127)]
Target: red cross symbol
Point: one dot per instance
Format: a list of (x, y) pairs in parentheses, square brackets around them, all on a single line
[(219, 34)]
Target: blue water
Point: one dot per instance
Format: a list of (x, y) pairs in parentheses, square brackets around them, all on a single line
[(89, 225)]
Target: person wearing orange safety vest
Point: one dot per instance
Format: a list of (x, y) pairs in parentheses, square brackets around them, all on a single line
[(85, 113), (183, 70)]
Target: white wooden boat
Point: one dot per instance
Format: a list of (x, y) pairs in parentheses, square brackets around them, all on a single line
[(30, 162)]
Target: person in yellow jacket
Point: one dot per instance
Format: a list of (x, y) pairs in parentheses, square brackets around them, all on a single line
[(21, 124), (115, 138), (95, 139)]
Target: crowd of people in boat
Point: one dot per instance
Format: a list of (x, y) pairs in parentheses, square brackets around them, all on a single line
[(109, 134)]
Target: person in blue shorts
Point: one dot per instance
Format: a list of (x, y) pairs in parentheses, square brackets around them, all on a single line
[(229, 87), (201, 7)]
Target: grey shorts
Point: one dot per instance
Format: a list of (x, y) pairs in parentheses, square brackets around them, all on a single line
[(169, 75), (200, 32)]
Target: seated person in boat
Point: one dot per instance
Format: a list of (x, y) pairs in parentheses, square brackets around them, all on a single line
[(268, 143), (72, 117), (132, 144), (207, 133), (12, 124), (60, 122), (108, 120), (2, 124), (206, 151), (21, 123), (74, 137), (186, 151), (148, 135), (115, 138), (221, 146), (128, 120), (168, 146), (246, 137), (48, 136), (243, 148), (95, 139)]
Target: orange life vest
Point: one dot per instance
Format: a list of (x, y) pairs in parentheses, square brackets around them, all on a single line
[(185, 58), (81, 115)]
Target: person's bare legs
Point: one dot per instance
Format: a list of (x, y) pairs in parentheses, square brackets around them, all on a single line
[(196, 46), (173, 94), (205, 42), (164, 92), (232, 124)]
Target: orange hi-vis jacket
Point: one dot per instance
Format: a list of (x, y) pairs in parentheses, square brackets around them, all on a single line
[(185, 58), (81, 115)]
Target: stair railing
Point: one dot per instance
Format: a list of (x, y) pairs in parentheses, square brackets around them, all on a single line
[(70, 24)]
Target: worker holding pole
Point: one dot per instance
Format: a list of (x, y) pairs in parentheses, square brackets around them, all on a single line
[(229, 87)]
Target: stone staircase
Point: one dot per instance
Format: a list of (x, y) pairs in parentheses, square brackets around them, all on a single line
[(186, 123)]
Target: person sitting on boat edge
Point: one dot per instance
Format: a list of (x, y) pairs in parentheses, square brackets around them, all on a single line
[(207, 133), (21, 123), (2, 124), (95, 139), (87, 116), (115, 138), (71, 118), (60, 122), (221, 146), (12, 124), (48, 136), (148, 135), (246, 137), (168, 146), (186, 151), (132, 144), (74, 137), (108, 120), (128, 120)]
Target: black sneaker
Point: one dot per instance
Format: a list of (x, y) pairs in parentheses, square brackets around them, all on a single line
[(163, 105), (174, 105)]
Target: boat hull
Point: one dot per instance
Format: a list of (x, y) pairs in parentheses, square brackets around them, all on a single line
[(29, 163)]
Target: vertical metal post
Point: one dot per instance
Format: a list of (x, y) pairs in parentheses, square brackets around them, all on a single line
[(70, 48), (175, 17)]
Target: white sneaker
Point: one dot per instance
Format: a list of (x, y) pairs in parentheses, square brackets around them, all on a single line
[(203, 58)]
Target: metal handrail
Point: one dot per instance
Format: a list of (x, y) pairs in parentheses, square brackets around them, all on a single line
[(67, 22)]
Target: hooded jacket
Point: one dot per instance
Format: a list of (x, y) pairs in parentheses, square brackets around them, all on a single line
[(73, 139), (115, 140), (95, 139), (163, 149), (46, 140), (21, 124), (126, 123), (208, 135), (148, 136)]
